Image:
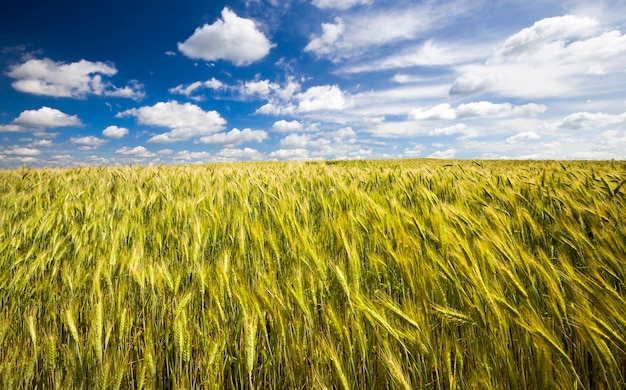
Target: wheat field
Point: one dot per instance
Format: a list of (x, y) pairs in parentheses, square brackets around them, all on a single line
[(397, 274)]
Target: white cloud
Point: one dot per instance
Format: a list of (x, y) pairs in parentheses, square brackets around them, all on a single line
[(76, 79), (584, 120), (261, 87), (427, 54), (10, 128), (20, 151), (189, 89), (460, 128), (186, 120), (290, 154), (359, 32), (231, 38), (46, 117), (415, 151), (186, 156), (489, 109), (294, 141), (386, 103), (444, 154), (89, 142), (314, 99), (560, 56), (235, 137), (232, 154), (544, 32), (401, 78), (132, 91), (38, 120), (115, 132), (324, 44), (138, 151), (475, 109), (440, 111), (323, 97), (283, 126), (338, 4), (340, 143), (523, 136), (469, 84), (42, 142)]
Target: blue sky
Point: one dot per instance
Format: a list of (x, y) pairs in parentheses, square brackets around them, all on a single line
[(184, 82)]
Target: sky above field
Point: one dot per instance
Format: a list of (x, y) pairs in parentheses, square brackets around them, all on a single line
[(181, 82)]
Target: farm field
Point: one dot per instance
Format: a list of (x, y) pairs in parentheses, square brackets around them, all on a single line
[(396, 274)]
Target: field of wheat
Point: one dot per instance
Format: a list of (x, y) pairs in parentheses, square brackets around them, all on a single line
[(362, 274)]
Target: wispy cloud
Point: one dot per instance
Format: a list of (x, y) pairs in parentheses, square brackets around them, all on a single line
[(352, 34), (339, 4), (475, 109), (189, 90)]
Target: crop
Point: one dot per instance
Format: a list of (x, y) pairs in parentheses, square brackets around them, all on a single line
[(358, 274)]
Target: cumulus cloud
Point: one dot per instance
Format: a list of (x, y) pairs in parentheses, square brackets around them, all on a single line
[(43, 118), (115, 132), (230, 38), (76, 79), (338, 4), (186, 120), (475, 109), (260, 87), (88, 143), (46, 117), (138, 151), (283, 126), (235, 137), (323, 97)]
